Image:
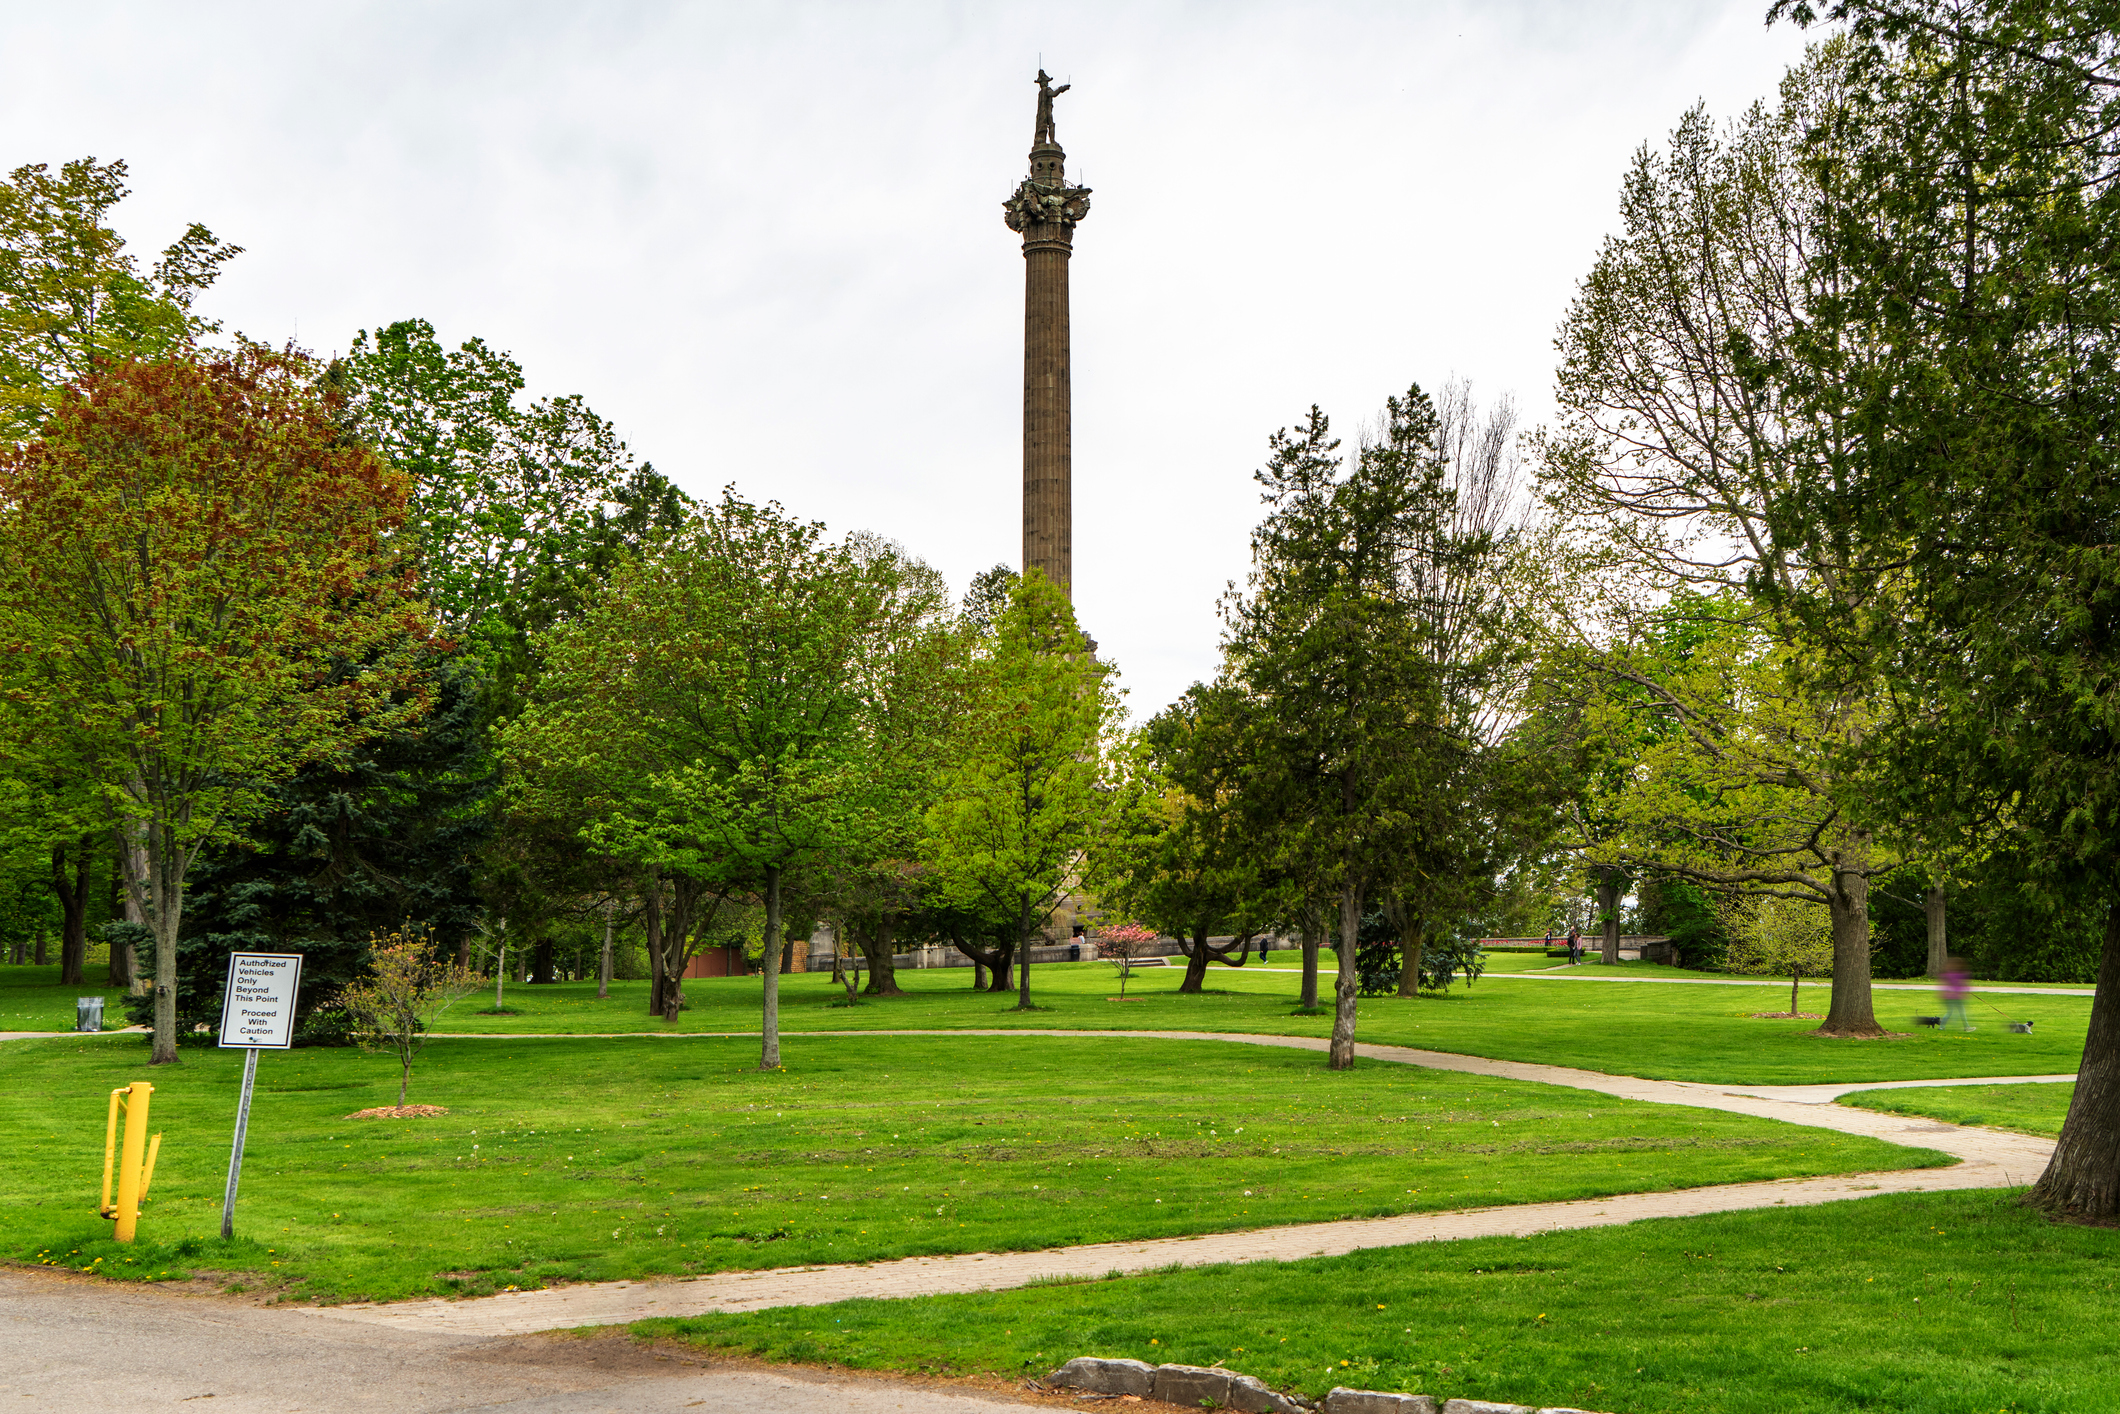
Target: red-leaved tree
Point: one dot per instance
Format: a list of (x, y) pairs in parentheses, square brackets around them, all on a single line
[(199, 593)]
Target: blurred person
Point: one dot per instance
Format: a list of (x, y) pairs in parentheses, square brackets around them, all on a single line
[(1955, 986)]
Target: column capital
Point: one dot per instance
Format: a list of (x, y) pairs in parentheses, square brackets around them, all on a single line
[(1044, 208)]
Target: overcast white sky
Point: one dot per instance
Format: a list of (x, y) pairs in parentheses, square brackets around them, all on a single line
[(766, 239)]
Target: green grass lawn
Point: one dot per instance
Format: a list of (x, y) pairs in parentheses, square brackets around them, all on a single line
[(599, 1159), (1663, 1032), (1960, 1303), (2028, 1109), (31, 998)]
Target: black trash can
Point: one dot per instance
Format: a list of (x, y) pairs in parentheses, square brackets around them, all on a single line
[(88, 1013)]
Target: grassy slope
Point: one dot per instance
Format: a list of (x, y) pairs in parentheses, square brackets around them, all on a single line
[(598, 1159), (2028, 1109), (1958, 1303), (1665, 1032)]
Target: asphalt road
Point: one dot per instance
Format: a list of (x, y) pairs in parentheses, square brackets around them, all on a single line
[(70, 1343)]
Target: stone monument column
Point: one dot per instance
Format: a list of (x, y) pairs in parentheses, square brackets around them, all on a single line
[(1044, 211)]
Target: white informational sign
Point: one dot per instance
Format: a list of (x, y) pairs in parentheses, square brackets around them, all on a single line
[(258, 1010)]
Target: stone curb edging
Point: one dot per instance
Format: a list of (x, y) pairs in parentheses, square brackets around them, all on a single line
[(1212, 1387)]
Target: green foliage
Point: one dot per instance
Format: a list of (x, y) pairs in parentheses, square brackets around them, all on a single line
[(1175, 850), (190, 558), (378, 837), (1687, 915), (402, 993), (1021, 797), (748, 698), (987, 597), (1380, 962), (1779, 936), (1370, 658), (70, 296), (2005, 917), (504, 495)]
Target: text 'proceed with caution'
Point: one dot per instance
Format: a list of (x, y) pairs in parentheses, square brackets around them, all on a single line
[(258, 1010)]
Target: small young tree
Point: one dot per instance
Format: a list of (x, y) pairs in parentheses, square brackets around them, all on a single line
[(1023, 796), (409, 983), (1774, 934), (1120, 946)]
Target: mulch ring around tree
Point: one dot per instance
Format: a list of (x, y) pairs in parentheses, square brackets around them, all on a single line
[(400, 1112), (1786, 1016)]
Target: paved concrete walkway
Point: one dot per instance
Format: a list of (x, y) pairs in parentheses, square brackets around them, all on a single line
[(1987, 1158), (76, 1345), (48, 1035)]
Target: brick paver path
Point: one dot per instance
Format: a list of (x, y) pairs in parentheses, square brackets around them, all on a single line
[(1988, 1158)]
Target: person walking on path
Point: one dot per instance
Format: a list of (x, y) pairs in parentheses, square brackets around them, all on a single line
[(1575, 944), (1957, 985)]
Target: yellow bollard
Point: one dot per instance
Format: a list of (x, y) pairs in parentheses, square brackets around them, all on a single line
[(147, 1175), (110, 1149), (137, 1165)]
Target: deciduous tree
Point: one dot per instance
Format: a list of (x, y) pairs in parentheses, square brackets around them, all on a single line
[(198, 595), (730, 708), (1022, 793), (71, 298), (410, 981)]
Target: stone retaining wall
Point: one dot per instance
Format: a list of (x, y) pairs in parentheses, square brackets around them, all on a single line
[(1211, 1386)]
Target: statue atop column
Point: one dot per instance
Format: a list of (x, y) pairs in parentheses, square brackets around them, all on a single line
[(1043, 205), (1046, 94)]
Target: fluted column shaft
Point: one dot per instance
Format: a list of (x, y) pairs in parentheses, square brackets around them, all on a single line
[(1048, 451)]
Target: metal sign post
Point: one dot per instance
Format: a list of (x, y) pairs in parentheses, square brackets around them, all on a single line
[(257, 1013)]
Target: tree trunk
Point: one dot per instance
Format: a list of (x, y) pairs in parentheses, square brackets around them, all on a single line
[(681, 922), (541, 971), (40, 954), (2082, 1180), (1851, 1013), (769, 961), (1195, 961), (652, 924), (1200, 952), (989, 965), (1023, 963), (73, 913), (500, 961), (1343, 988), (1608, 916), (1795, 982), (1932, 907), (154, 887), (603, 966), (124, 958), (1411, 941), (404, 1080), (1313, 926), (875, 944)]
